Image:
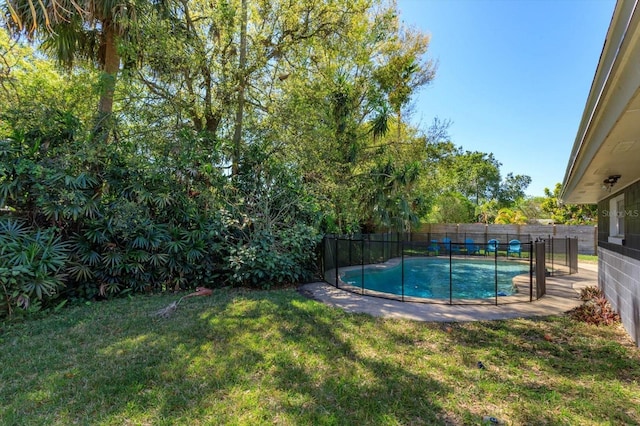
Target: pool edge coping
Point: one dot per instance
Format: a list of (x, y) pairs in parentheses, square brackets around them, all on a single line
[(562, 296)]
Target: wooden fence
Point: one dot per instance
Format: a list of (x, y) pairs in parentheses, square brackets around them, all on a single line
[(587, 234)]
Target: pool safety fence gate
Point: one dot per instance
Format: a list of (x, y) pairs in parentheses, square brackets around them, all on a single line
[(561, 256), (351, 262)]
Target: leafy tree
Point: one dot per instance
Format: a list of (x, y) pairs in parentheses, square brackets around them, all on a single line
[(82, 29), (351, 153), (224, 65), (478, 175), (512, 189), (531, 207), (451, 172), (30, 82), (487, 211), (508, 216), (452, 208), (404, 69), (571, 214)]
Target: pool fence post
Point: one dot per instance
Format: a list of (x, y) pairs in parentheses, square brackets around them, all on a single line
[(530, 271), (336, 265), (402, 269), (322, 257), (450, 276), (362, 261), (552, 252), (496, 273)]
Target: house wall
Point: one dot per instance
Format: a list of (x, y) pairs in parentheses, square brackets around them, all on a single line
[(631, 246), (619, 265), (619, 278)]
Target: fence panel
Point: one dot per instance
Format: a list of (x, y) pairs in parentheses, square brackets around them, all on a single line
[(457, 272), (586, 234), (385, 265)]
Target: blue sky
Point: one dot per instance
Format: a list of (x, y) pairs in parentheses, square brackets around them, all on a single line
[(513, 76)]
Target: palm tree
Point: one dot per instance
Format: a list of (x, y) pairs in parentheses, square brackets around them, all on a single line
[(71, 29), (508, 216)]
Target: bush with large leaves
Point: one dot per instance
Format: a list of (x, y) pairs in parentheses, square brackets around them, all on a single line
[(152, 234), (32, 265), (47, 173), (128, 251), (123, 223)]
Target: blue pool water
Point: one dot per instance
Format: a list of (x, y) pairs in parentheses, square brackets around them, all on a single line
[(429, 278)]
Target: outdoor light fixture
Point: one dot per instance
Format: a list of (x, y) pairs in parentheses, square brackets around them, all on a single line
[(609, 182)]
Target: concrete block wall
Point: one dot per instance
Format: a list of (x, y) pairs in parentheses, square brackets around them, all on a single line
[(619, 278)]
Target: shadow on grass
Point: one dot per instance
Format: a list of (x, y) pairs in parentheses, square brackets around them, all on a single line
[(241, 358), (276, 357), (591, 372)]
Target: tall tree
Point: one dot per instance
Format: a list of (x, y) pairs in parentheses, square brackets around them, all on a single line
[(478, 175), (31, 82), (72, 29), (242, 82), (404, 69), (512, 189), (572, 214)]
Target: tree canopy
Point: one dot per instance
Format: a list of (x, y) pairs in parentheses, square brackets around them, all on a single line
[(571, 214), (238, 133)]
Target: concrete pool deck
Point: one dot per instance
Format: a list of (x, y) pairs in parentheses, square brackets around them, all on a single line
[(562, 296)]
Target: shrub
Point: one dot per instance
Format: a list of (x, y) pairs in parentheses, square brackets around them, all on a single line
[(596, 309), (590, 292), (269, 234), (130, 250), (32, 264), (283, 256), (117, 221)]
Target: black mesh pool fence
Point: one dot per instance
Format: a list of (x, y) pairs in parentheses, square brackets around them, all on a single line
[(434, 268)]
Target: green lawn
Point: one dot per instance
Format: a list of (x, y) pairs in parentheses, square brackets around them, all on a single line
[(251, 358), (587, 258)]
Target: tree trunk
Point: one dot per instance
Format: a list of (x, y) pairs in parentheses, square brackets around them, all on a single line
[(111, 66), (242, 81)]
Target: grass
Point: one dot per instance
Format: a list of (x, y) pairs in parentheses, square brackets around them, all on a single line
[(275, 357), (588, 258)]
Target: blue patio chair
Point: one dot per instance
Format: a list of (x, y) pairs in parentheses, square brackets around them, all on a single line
[(492, 246), (471, 246), (433, 247), (515, 248), (446, 244)]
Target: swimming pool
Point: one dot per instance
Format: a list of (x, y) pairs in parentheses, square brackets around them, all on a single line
[(434, 278)]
